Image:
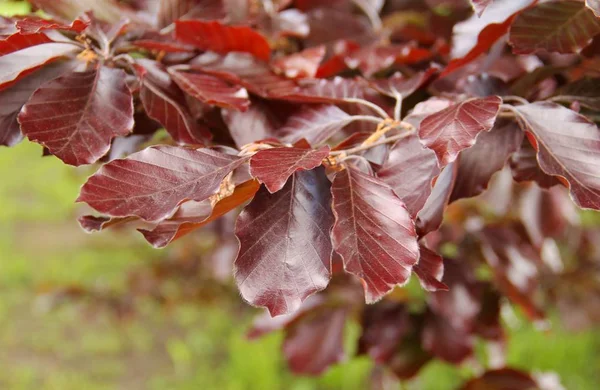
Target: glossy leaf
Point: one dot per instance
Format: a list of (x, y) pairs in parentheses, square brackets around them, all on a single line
[(410, 170), (16, 42), (567, 146), (379, 247), (274, 166), (430, 270), (212, 90), (151, 184), (431, 214), (557, 26), (316, 124), (285, 249), (217, 37), (78, 114), (454, 129), (525, 167)]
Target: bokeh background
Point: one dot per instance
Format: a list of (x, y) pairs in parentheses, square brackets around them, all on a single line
[(106, 311)]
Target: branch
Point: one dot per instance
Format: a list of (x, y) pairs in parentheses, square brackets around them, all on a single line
[(367, 103)]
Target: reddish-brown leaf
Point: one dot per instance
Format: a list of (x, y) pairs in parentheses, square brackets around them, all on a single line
[(316, 341), (35, 25), (193, 215), (171, 10), (410, 170), (257, 123), (78, 114), (583, 91), (13, 99), (274, 166), (454, 129), (399, 85), (384, 326), (68, 10), (212, 90), (524, 166), (285, 249), (556, 26), (373, 232), (335, 90), (16, 42), (20, 63), (478, 164), (301, 64), (430, 270), (151, 184), (502, 379), (431, 214), (567, 145), (316, 124), (217, 37)]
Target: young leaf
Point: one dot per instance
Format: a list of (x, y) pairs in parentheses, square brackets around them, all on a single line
[(410, 170), (20, 63), (13, 99), (373, 232), (477, 165), (212, 90), (217, 37), (556, 26), (151, 184), (316, 124), (430, 270), (164, 102), (78, 114), (285, 249), (454, 129), (567, 145), (274, 166), (315, 342)]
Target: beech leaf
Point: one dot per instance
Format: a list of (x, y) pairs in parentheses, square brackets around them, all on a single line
[(34, 25), (151, 184), (525, 167), (274, 166), (373, 232), (285, 249), (430, 270), (567, 145), (77, 115), (556, 26), (316, 124), (455, 128)]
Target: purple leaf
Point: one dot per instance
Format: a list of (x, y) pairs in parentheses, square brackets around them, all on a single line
[(78, 114), (285, 249), (524, 166), (316, 124), (274, 166), (151, 184), (431, 214), (454, 129), (373, 232), (430, 270)]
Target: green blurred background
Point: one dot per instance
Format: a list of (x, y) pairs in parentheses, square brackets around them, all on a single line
[(183, 346)]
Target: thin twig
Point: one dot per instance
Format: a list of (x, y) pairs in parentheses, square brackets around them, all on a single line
[(367, 103), (398, 106), (367, 118), (377, 143), (362, 160)]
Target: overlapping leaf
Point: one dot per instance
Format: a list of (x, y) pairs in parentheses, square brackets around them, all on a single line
[(567, 146), (77, 115), (212, 90), (151, 184), (257, 123), (556, 26), (16, 42), (431, 214), (316, 124), (217, 37), (373, 232), (454, 129), (35, 25), (430, 270), (171, 10), (285, 249), (274, 166), (410, 170), (525, 167)]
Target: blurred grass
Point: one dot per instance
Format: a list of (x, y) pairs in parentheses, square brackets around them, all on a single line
[(186, 347)]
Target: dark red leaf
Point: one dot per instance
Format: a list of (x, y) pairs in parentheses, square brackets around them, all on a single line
[(212, 90), (171, 10), (16, 42), (525, 167), (430, 270), (431, 214), (409, 357), (384, 325), (556, 26), (330, 25), (410, 170), (193, 215), (151, 184), (335, 90), (583, 91), (502, 379), (285, 249), (257, 123), (316, 124), (78, 114), (445, 340), (301, 64), (165, 102), (35, 25), (217, 37), (13, 99), (373, 232), (397, 84), (454, 129), (478, 164), (316, 342), (274, 166), (20, 63), (567, 145)]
